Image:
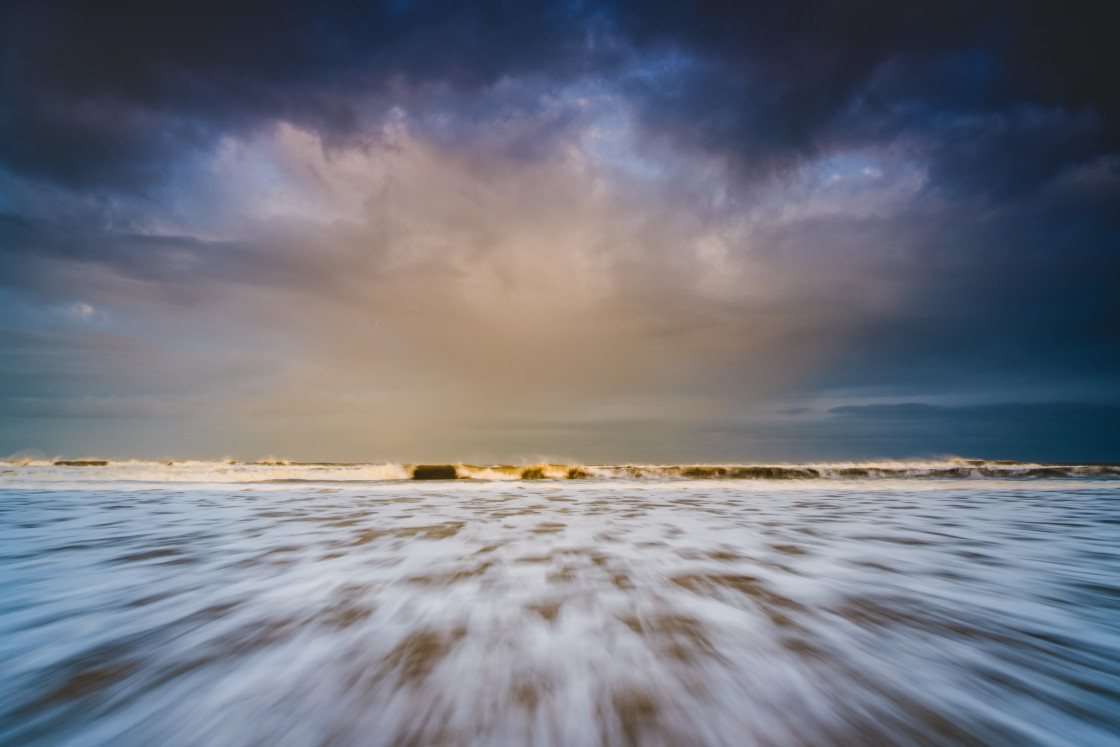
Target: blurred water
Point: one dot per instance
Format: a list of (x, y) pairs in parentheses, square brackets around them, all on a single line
[(561, 613)]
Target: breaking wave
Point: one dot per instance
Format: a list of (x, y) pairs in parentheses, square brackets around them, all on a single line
[(231, 471)]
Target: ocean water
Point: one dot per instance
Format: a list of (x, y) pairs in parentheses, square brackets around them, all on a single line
[(952, 603)]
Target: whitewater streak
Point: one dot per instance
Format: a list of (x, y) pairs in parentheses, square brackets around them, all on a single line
[(15, 471), (517, 612)]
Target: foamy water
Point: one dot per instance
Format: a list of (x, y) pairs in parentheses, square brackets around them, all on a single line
[(558, 612), (83, 472)]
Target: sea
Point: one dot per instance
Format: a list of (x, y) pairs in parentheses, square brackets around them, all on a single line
[(952, 602)]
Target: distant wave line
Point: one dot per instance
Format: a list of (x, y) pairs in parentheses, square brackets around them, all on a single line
[(232, 471)]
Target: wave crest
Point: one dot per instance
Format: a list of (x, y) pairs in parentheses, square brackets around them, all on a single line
[(230, 471)]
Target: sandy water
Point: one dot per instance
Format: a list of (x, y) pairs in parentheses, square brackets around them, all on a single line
[(561, 613)]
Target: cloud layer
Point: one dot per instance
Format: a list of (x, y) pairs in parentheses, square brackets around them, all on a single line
[(600, 232)]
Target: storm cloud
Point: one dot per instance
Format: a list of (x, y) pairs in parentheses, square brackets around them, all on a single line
[(599, 232)]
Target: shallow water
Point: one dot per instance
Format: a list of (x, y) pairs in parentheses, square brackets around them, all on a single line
[(561, 613)]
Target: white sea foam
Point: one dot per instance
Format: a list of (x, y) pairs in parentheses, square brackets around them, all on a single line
[(21, 471), (560, 612)]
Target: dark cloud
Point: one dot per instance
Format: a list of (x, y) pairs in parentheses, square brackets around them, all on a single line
[(828, 197), (1018, 297), (770, 83), (105, 93)]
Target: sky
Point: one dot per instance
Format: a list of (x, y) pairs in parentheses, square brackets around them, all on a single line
[(579, 232)]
